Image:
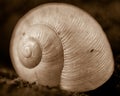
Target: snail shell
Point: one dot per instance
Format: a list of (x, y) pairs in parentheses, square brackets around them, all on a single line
[(61, 45)]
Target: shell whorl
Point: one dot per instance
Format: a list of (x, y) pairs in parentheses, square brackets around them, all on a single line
[(59, 44), (29, 52)]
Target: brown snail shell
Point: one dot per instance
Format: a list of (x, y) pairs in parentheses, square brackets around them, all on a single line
[(61, 45)]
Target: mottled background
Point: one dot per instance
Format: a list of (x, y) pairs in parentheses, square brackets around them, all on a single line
[(106, 12)]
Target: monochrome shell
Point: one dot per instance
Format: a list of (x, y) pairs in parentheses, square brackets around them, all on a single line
[(58, 44)]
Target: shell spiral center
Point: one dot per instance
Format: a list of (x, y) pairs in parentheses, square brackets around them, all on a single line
[(29, 52)]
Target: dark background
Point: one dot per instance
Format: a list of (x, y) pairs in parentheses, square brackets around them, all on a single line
[(106, 12)]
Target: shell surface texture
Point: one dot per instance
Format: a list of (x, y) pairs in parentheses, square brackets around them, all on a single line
[(59, 44)]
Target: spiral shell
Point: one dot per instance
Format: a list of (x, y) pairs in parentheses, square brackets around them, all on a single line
[(61, 45)]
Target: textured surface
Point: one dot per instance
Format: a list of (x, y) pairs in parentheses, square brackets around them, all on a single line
[(75, 51), (108, 17)]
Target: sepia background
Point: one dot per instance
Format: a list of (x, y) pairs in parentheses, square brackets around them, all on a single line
[(106, 12)]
